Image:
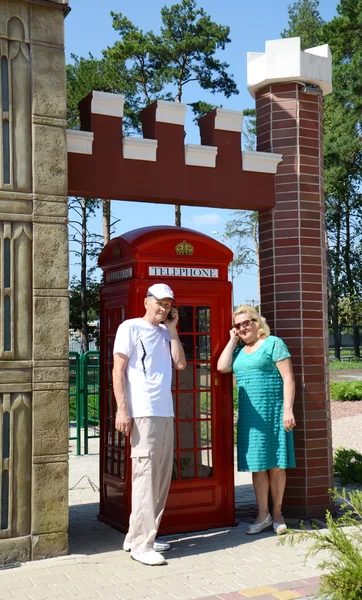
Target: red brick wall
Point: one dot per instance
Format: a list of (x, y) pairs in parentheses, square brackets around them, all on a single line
[(294, 280)]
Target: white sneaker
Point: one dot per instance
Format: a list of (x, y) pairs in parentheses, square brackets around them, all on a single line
[(148, 558), (161, 546), (157, 546)]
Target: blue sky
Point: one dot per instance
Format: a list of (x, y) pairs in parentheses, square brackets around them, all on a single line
[(252, 23)]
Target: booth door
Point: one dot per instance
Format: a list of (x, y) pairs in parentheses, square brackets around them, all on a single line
[(202, 489), (115, 474)]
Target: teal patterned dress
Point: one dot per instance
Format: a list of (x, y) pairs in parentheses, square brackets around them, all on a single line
[(262, 441)]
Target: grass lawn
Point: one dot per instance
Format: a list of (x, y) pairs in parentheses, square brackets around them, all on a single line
[(343, 365)]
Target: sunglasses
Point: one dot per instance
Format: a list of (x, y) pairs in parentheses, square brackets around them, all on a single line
[(244, 324)]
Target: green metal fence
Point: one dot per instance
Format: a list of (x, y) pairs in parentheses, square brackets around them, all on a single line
[(83, 398)]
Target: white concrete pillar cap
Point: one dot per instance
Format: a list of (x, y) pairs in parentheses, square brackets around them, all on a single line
[(283, 61)]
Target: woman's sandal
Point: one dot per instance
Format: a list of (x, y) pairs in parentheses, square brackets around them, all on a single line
[(279, 528), (258, 527)]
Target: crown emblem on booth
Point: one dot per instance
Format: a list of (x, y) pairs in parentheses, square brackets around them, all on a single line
[(184, 248)]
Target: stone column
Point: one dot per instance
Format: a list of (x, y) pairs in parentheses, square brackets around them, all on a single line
[(288, 86), (33, 282)]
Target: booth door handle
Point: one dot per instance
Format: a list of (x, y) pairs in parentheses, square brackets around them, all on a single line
[(216, 381)]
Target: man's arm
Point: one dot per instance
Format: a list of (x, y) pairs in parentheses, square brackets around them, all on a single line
[(177, 352), (123, 419)]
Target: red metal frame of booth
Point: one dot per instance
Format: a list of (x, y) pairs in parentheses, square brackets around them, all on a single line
[(202, 489)]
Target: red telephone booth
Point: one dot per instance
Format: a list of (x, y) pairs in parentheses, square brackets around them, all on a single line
[(196, 268)]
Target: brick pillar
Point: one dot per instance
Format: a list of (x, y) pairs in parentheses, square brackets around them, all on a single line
[(294, 279), (293, 253)]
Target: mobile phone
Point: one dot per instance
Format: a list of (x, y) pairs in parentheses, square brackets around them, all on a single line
[(169, 316)]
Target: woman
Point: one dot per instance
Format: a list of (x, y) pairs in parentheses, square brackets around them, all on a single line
[(263, 369)]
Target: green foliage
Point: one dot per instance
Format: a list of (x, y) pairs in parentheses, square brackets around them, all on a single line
[(343, 155), (350, 310), (93, 407), (145, 66), (249, 129), (339, 365), (235, 398), (343, 546), (244, 230), (87, 74), (346, 390), (348, 465), (305, 22), (75, 301), (342, 144), (160, 66), (201, 108)]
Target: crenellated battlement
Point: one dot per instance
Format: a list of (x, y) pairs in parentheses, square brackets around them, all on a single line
[(160, 167)]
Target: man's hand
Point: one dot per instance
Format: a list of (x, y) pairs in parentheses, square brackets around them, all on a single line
[(171, 324), (123, 421)]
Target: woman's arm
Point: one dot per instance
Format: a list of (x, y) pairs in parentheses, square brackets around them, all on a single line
[(286, 371), (225, 362)]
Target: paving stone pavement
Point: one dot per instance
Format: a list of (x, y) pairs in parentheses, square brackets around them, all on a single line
[(209, 564)]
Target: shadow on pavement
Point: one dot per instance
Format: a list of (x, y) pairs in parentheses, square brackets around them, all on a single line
[(88, 535)]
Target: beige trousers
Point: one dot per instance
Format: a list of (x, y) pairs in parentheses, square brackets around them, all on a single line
[(152, 459)]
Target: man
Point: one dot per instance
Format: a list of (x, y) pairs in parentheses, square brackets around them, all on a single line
[(144, 351)]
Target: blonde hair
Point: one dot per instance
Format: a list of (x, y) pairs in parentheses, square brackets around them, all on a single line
[(263, 327)]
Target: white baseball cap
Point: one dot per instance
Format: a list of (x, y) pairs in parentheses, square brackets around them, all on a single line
[(160, 291)]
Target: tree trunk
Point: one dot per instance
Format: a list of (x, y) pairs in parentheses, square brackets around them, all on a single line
[(350, 282), (106, 208), (356, 341), (83, 279), (257, 254), (177, 215), (332, 292), (333, 307)]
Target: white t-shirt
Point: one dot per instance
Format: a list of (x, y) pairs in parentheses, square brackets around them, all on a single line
[(149, 367)]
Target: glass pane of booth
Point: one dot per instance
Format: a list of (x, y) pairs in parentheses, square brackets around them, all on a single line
[(186, 378), (203, 405), (185, 406), (203, 376), (192, 396), (115, 441), (186, 435), (203, 349), (187, 465), (109, 460), (204, 463), (202, 318), (186, 323), (203, 434), (175, 469), (188, 342)]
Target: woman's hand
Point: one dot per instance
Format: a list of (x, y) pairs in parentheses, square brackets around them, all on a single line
[(233, 335), (225, 362), (288, 419)]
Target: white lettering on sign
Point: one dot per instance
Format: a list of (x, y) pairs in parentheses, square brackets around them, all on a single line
[(182, 272), (117, 275)]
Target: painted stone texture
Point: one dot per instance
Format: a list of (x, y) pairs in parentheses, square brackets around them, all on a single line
[(34, 281)]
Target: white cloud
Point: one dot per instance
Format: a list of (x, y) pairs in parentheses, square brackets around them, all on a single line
[(204, 219)]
